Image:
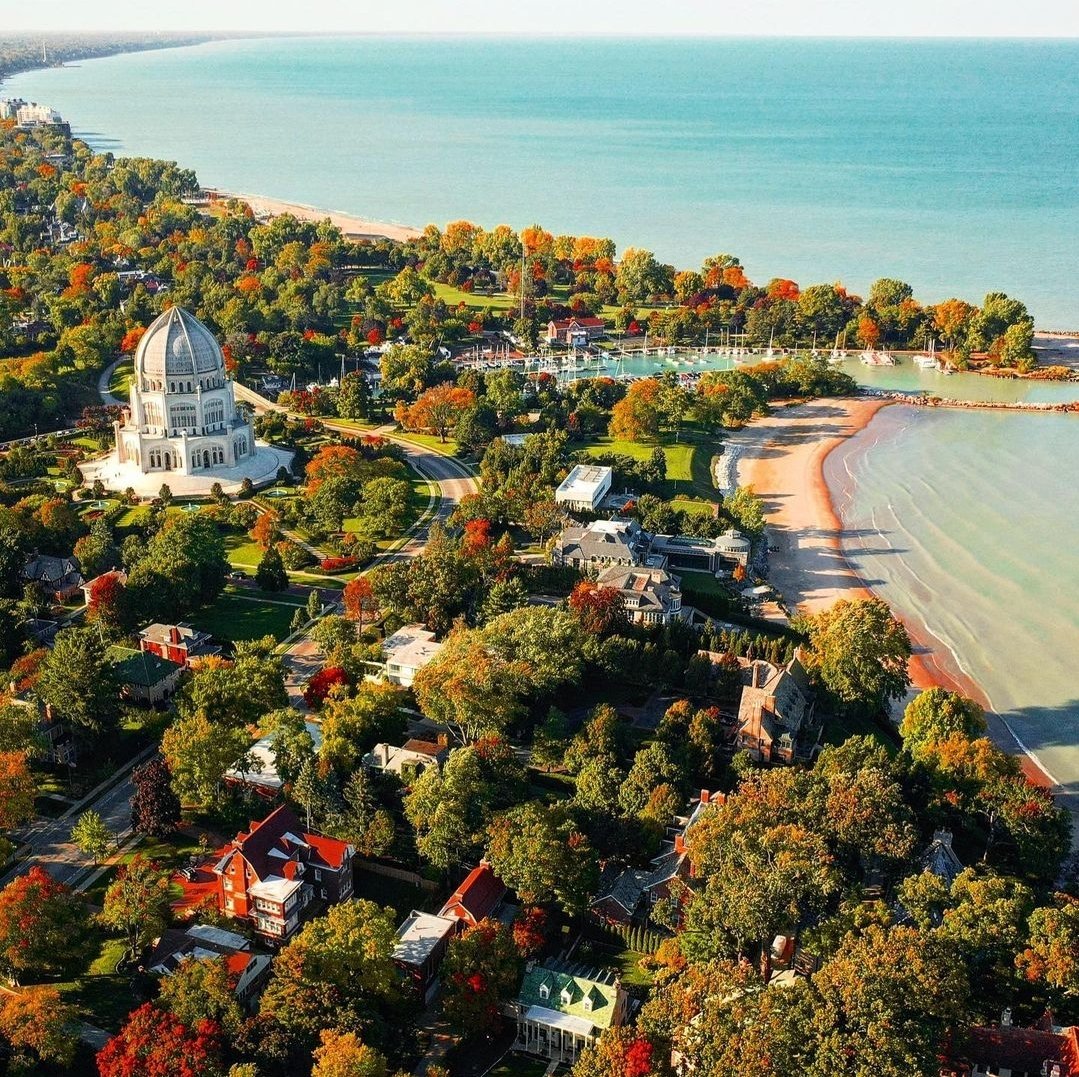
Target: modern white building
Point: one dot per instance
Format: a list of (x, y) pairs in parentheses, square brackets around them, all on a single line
[(585, 487), (406, 652), (182, 425)]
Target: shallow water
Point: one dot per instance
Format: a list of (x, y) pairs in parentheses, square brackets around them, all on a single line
[(965, 522)]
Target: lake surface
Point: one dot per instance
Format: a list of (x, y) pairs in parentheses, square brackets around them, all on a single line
[(965, 522), (950, 164)]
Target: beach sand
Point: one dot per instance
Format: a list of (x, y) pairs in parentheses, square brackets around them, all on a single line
[(352, 227), (782, 458)]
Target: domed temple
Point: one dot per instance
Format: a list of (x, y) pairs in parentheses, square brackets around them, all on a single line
[(182, 425)]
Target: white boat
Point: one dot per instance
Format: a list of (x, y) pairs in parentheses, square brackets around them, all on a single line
[(928, 361)]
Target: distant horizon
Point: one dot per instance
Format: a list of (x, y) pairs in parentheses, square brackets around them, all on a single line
[(233, 32), (931, 19)]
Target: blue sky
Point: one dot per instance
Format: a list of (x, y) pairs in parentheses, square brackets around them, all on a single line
[(889, 18)]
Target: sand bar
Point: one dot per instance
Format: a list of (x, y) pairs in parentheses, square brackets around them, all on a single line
[(352, 227)]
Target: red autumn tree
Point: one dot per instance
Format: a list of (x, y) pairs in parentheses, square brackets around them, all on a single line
[(530, 931), (318, 687), (43, 925), (481, 969), (619, 1052), (106, 605), (868, 332), (781, 288), (601, 610), (359, 599), (154, 1043)]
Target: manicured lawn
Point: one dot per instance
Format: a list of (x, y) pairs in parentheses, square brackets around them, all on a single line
[(428, 441), (452, 296), (240, 615), (135, 516), (103, 997), (689, 482), (241, 551), (120, 381)]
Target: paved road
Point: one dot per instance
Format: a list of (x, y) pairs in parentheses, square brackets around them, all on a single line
[(51, 842)]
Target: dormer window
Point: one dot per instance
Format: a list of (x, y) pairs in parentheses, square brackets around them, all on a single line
[(544, 991), (566, 996), (588, 1003)]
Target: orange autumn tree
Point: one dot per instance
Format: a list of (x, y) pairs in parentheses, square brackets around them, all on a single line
[(637, 415), (37, 1019), (332, 461), (267, 528), (343, 1054), (868, 332), (132, 338), (437, 410), (17, 790), (359, 598)]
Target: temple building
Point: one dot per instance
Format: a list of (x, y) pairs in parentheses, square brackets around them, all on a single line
[(181, 425)]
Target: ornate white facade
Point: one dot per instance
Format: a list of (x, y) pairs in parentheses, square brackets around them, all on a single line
[(182, 415)]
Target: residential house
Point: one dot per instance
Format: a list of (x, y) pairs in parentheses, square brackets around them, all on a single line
[(178, 643), (406, 652), (776, 714), (58, 578), (409, 760), (601, 544), (1005, 1050), (626, 894), (258, 771), (690, 553), (270, 875), (652, 596), (575, 332), (477, 898), (144, 677), (939, 859), (117, 574), (562, 1009), (248, 968), (422, 941), (585, 487), (55, 740)]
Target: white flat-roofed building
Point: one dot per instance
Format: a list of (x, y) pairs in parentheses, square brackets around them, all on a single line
[(585, 487), (406, 652), (259, 771), (421, 944)]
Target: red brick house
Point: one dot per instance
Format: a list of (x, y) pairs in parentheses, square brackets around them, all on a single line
[(575, 332), (271, 874), (178, 643), (1043, 1051), (477, 898)]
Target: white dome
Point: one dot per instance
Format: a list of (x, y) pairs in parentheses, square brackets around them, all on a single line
[(177, 344)]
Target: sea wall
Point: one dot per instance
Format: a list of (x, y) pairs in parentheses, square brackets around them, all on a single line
[(925, 401)]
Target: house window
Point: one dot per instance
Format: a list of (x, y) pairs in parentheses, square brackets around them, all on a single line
[(318, 875), (544, 991)]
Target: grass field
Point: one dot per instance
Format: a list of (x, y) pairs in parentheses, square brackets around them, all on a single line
[(689, 481), (103, 997), (121, 380), (240, 615), (241, 551)]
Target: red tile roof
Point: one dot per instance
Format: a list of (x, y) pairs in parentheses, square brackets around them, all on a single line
[(477, 897), (1022, 1050)]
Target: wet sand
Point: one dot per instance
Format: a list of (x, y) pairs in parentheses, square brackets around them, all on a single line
[(782, 458)]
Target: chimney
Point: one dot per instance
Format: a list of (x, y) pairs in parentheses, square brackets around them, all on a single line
[(443, 740), (756, 676), (679, 843), (1006, 1018), (174, 634), (944, 837), (705, 796)]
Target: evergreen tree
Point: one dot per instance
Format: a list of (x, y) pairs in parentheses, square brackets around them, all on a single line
[(270, 574)]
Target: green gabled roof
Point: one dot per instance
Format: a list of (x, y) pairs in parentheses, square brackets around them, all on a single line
[(598, 987), (140, 668)]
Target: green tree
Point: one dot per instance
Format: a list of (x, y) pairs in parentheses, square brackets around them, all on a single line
[(270, 574), (201, 989), (78, 682), (936, 714), (198, 753), (240, 692), (537, 851), (137, 902), (92, 835), (861, 652)]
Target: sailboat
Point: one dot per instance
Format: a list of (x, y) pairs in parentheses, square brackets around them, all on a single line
[(928, 361)]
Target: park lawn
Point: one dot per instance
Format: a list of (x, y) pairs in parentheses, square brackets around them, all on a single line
[(237, 615), (133, 516), (453, 296), (120, 381), (241, 551), (103, 997), (428, 441)]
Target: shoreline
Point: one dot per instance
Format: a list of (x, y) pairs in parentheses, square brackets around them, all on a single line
[(782, 457), (351, 226)]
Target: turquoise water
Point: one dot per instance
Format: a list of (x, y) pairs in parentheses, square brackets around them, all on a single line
[(965, 522), (949, 164)]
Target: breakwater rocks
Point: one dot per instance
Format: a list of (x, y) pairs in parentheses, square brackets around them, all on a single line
[(925, 401)]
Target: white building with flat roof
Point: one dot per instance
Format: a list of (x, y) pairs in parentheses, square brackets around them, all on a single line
[(406, 652), (585, 487)]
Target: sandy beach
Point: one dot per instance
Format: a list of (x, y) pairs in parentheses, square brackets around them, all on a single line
[(352, 227), (782, 458)]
